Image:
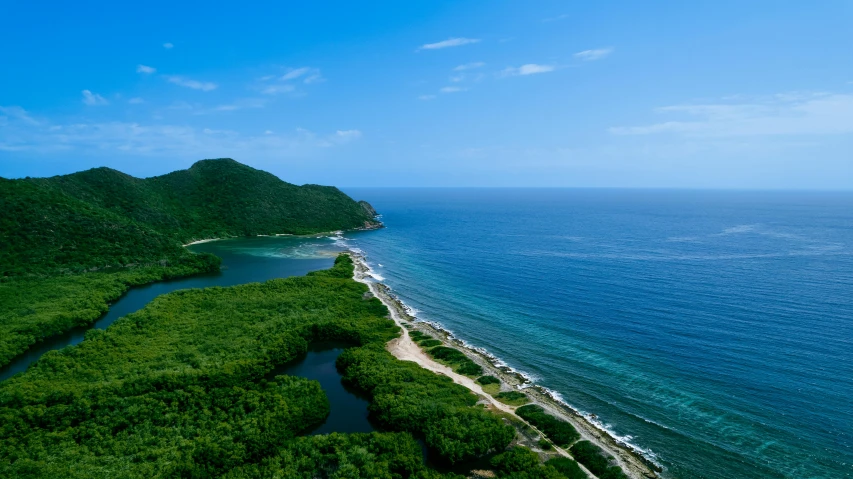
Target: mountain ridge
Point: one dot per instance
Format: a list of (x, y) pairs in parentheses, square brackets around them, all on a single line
[(103, 217)]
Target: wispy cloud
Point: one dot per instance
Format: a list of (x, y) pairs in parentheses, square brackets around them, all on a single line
[(308, 75), (145, 69), (93, 99), (469, 66), (528, 69), (452, 89), (194, 84), (168, 46), (345, 136), (450, 42), (136, 101), (596, 54), (241, 104), (814, 113), (277, 89), (17, 114), (427, 97), (23, 133)]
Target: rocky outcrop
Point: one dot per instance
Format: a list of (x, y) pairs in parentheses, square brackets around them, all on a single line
[(368, 208)]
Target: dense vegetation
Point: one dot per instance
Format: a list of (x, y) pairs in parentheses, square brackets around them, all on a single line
[(102, 217), (71, 244), (567, 467), (33, 309), (177, 389), (596, 461), (562, 433), (406, 397), (455, 358), (522, 463)]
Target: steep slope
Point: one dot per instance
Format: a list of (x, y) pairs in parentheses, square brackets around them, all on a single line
[(43, 230), (102, 217), (71, 244)]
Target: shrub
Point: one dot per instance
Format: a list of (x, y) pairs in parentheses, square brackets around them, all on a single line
[(484, 380), (450, 355), (559, 431), (470, 368), (516, 459), (513, 398), (596, 461), (567, 467), (428, 343)]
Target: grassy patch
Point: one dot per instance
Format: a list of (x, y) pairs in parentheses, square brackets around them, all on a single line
[(512, 398)]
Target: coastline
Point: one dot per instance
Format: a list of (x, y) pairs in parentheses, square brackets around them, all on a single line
[(629, 458), (321, 234)]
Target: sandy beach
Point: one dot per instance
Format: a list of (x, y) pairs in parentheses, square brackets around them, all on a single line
[(404, 348)]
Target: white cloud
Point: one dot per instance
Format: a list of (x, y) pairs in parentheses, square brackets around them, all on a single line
[(529, 69), (427, 97), (145, 69), (168, 46), (18, 114), (346, 136), (93, 99), (782, 114), (277, 89), (596, 54), (450, 42), (452, 89), (194, 84), (469, 66), (308, 74), (21, 132), (295, 73), (242, 104), (136, 101)]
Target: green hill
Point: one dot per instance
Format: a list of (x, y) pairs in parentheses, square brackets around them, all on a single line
[(102, 217), (71, 244)]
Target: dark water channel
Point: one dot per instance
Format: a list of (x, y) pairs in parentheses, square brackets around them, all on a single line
[(348, 409), (244, 261)]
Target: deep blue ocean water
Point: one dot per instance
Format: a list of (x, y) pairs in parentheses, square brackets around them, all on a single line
[(714, 330)]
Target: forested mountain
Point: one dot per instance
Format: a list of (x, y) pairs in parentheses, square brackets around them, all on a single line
[(71, 244), (102, 217)]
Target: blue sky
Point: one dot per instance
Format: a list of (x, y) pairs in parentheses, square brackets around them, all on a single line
[(722, 94)]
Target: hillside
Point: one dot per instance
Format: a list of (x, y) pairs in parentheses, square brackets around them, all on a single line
[(70, 245), (102, 217)]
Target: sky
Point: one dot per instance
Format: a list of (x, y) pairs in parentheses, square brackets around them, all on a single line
[(724, 94)]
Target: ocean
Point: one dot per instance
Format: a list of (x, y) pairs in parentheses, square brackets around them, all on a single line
[(712, 330)]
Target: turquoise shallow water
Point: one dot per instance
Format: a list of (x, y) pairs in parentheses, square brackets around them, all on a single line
[(714, 330)]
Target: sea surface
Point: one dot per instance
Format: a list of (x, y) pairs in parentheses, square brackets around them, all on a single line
[(713, 330)]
